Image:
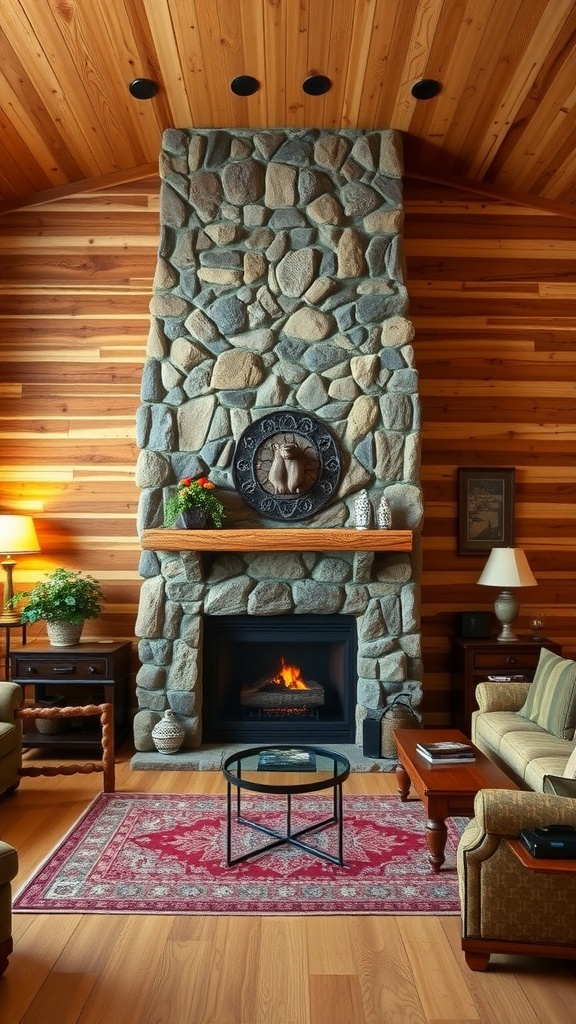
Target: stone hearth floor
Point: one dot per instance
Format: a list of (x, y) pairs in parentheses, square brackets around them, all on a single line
[(211, 757)]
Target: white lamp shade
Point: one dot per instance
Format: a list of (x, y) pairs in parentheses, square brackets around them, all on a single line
[(507, 567), (18, 535)]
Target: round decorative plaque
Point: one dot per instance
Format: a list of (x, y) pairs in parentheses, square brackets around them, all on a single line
[(287, 465)]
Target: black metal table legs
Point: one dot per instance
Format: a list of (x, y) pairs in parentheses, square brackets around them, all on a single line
[(290, 837)]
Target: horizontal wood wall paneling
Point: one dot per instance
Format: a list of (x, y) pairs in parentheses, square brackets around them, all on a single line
[(70, 220), (73, 329), (73, 406), (493, 298), (495, 348), (78, 372), (93, 268)]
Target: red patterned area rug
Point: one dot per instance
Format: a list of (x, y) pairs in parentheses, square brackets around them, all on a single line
[(142, 853)]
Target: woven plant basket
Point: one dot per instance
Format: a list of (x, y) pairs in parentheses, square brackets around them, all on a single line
[(52, 726), (64, 634)]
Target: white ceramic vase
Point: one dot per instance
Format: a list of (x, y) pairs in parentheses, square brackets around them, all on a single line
[(384, 514), (362, 511), (168, 734)]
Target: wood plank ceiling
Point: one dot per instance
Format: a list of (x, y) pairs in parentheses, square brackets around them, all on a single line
[(505, 115)]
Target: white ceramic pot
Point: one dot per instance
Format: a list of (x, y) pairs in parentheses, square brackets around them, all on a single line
[(168, 734)]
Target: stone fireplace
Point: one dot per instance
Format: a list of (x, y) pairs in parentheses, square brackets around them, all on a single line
[(279, 292)]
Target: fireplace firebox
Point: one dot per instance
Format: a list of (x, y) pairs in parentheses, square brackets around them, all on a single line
[(288, 678)]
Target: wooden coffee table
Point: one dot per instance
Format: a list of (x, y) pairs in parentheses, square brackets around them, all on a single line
[(446, 790)]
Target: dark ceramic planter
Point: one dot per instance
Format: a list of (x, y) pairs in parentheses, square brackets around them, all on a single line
[(194, 519)]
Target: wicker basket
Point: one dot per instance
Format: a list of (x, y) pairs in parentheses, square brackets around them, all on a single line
[(64, 634), (398, 715), (52, 726)]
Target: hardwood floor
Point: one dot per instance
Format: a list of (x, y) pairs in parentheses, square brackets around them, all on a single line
[(70, 969)]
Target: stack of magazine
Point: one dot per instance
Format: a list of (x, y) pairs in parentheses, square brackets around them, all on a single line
[(446, 752), (283, 760)]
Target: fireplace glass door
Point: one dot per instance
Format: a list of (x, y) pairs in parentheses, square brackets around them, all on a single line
[(279, 679)]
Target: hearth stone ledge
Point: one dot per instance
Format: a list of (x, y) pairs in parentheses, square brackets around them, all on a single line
[(210, 757)]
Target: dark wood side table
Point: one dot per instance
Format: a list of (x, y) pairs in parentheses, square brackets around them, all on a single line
[(84, 674), (474, 661), (7, 626), (558, 866)]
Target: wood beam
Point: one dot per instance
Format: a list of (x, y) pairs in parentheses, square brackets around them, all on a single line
[(74, 188)]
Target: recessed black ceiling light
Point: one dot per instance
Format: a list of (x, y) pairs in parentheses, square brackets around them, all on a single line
[(244, 85), (425, 89), (316, 85), (143, 88)]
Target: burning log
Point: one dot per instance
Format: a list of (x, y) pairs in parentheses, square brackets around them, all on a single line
[(284, 690)]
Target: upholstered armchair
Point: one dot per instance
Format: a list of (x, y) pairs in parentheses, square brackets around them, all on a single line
[(10, 737), (8, 870), (506, 907)]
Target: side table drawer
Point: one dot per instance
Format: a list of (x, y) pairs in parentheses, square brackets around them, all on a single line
[(528, 659), (60, 667)]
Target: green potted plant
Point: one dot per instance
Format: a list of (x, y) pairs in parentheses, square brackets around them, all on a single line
[(194, 504), (64, 600)]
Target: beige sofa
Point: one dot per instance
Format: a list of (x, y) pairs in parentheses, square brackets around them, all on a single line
[(526, 751)]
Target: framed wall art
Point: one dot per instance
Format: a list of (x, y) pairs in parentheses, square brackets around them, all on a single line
[(485, 510)]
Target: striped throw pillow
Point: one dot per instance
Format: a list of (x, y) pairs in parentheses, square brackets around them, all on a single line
[(551, 700)]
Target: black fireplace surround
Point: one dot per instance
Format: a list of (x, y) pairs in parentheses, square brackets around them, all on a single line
[(241, 650)]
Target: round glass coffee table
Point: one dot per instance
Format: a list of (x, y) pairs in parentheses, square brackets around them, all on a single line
[(304, 770)]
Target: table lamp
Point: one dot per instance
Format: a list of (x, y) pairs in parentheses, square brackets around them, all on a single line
[(17, 537), (507, 567)]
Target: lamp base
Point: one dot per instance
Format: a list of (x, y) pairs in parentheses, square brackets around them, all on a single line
[(506, 608), (9, 614), (7, 618), (507, 636)]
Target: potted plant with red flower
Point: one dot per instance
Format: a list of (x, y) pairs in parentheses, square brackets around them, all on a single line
[(194, 504)]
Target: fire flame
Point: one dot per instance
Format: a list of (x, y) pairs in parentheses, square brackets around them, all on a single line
[(290, 677)]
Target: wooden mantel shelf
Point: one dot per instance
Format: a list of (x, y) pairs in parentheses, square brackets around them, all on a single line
[(283, 539)]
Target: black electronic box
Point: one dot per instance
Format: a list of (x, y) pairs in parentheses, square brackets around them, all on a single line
[(474, 625), (553, 841)]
